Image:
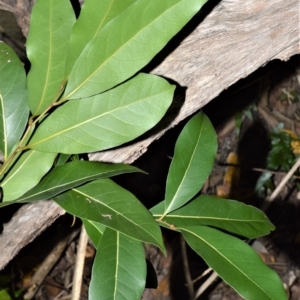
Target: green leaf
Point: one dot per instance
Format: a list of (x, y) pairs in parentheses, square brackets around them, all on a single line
[(230, 215), (119, 268), (93, 17), (105, 120), (4, 295), (14, 110), (235, 262), (62, 159), (47, 47), (193, 160), (26, 173), (158, 209), (127, 43), (94, 230), (105, 202), (73, 174), (15, 156)]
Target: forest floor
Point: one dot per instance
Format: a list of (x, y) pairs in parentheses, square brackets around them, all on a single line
[(244, 117)]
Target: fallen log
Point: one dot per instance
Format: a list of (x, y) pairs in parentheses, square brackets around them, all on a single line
[(227, 41)]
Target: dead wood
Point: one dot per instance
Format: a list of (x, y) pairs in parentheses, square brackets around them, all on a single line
[(29, 221), (232, 40)]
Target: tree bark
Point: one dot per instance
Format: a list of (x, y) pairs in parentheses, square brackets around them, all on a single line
[(227, 41)]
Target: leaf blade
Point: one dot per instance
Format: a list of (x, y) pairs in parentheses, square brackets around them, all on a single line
[(235, 262), (14, 110), (119, 115), (47, 47), (232, 216), (119, 269), (105, 202), (17, 182), (91, 20), (71, 175), (94, 230), (194, 155), (146, 28)]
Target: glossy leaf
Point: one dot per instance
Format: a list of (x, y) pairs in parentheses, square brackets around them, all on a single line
[(193, 160), (128, 43), (94, 230), (119, 268), (158, 209), (106, 120), (105, 202), (93, 17), (73, 174), (235, 262), (26, 173), (14, 110), (230, 215), (47, 47)]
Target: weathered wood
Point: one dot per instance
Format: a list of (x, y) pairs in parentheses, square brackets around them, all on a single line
[(234, 39), (29, 221)]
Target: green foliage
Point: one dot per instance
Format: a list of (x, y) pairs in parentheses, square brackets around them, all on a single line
[(131, 109), (229, 215), (47, 48), (6, 294), (113, 274), (135, 36), (226, 254), (188, 172), (281, 154), (14, 109), (106, 202), (281, 157), (240, 116), (6, 291), (17, 181), (84, 94), (235, 262)]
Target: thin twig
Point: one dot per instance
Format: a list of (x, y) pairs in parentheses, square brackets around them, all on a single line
[(79, 264), (283, 182), (273, 172), (186, 269), (206, 284), (61, 296), (260, 170), (208, 270), (47, 265)]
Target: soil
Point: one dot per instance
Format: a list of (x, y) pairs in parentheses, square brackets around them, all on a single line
[(260, 102)]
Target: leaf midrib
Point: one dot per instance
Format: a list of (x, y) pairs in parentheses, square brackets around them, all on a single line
[(48, 65), (79, 86), (212, 218), (225, 258), (186, 171), (86, 178), (116, 212), (7, 179), (5, 140), (117, 263), (93, 118), (103, 19)]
